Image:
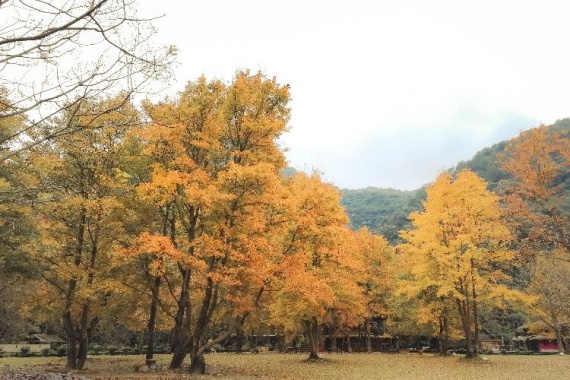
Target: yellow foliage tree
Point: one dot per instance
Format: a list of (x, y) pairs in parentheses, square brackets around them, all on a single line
[(319, 270), (458, 250), (551, 288), (77, 220)]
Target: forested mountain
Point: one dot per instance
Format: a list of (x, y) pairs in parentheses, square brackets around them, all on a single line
[(385, 211)]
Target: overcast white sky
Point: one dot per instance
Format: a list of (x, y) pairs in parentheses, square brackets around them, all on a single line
[(385, 93)]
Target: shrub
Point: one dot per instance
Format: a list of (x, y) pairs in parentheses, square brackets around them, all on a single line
[(61, 351), (113, 350), (96, 349), (45, 351), (25, 351)]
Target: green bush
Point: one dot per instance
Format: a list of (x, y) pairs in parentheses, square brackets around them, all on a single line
[(1, 352), (45, 351), (96, 349), (25, 351), (61, 351)]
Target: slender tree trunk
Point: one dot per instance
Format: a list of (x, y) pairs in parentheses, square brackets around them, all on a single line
[(368, 338), (150, 326), (558, 331), (348, 344), (68, 325), (239, 340), (332, 336), (475, 312), (86, 310), (443, 337)]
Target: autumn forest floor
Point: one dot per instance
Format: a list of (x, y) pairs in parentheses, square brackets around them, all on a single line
[(294, 366)]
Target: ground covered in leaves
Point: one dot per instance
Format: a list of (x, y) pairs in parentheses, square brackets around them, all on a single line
[(273, 366)]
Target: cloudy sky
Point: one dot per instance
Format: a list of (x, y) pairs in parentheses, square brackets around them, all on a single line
[(385, 93)]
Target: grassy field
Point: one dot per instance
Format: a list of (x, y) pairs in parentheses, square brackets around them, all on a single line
[(294, 366)]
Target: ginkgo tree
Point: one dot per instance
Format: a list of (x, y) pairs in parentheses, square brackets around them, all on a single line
[(319, 270), (458, 251), (377, 279)]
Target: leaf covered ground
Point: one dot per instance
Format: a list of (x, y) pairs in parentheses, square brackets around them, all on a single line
[(294, 366)]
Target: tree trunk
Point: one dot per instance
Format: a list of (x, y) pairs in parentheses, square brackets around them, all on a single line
[(475, 313), (152, 320), (559, 339), (239, 340), (71, 341), (181, 336), (332, 336), (311, 329), (443, 336), (71, 335), (368, 338), (464, 308), (197, 362), (83, 338), (197, 365)]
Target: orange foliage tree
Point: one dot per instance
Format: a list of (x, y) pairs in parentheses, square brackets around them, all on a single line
[(536, 195), (215, 164), (537, 198)]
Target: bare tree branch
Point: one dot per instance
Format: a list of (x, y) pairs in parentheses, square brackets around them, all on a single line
[(55, 54)]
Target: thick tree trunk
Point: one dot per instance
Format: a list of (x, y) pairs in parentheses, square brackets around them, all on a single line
[(197, 365), (181, 337), (312, 331), (70, 340), (197, 362), (83, 338), (348, 344)]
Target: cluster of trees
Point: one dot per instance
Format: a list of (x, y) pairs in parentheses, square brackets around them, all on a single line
[(184, 222), (180, 215)]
